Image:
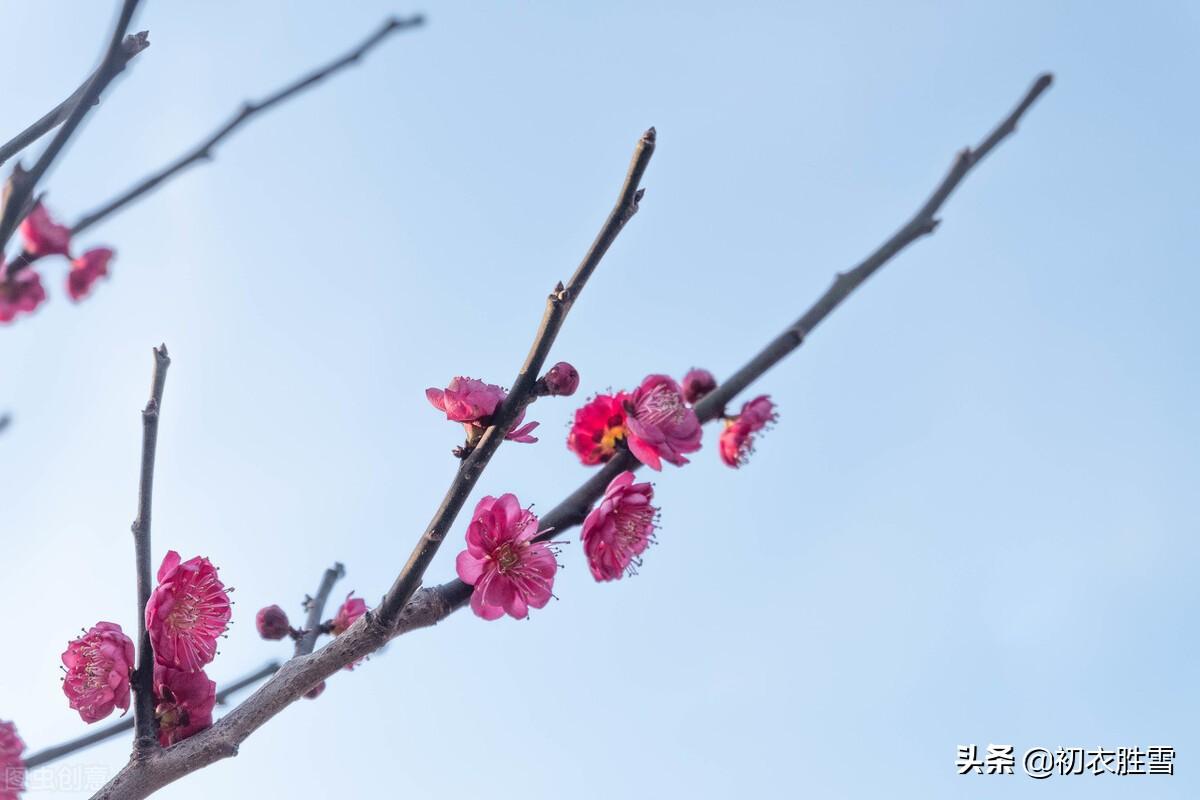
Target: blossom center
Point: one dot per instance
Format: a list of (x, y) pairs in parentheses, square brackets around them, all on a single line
[(506, 557), (660, 405)]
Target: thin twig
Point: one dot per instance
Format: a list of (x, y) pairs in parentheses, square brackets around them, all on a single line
[(19, 189), (558, 305), (428, 606), (143, 677), (204, 150), (316, 609), (5, 419), (130, 47), (117, 728)]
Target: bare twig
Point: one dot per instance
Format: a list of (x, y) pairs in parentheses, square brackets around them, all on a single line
[(117, 728), (19, 189), (204, 150), (428, 606), (143, 676), (5, 419), (130, 47), (316, 608), (558, 305)]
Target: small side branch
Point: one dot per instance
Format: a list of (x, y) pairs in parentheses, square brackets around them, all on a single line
[(56, 752), (204, 150), (146, 739), (558, 305), (18, 196), (130, 47), (316, 609)]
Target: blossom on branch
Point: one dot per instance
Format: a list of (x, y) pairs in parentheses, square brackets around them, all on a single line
[(187, 612), (19, 293), (511, 573), (620, 528), (86, 270), (598, 429), (183, 703), (272, 623), (737, 440), (348, 614), (42, 236), (98, 666), (473, 402), (697, 383), (12, 766), (660, 426)]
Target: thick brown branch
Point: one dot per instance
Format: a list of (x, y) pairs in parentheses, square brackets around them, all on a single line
[(204, 150), (117, 728), (429, 606), (316, 608), (19, 190), (130, 47), (558, 305), (143, 677)]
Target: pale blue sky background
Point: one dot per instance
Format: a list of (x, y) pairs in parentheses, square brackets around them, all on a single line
[(975, 522)]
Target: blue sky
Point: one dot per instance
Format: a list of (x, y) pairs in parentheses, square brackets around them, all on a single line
[(974, 523)]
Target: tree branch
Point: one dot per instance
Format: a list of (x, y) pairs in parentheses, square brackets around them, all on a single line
[(428, 606), (143, 677), (558, 305), (130, 47), (117, 728), (19, 189), (204, 150), (316, 608)]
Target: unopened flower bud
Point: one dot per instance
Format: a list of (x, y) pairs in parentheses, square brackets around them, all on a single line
[(696, 384), (562, 380), (272, 623)]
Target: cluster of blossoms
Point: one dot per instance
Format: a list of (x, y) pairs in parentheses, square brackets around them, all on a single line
[(507, 562), (272, 623), (12, 766), (186, 614), (21, 289)]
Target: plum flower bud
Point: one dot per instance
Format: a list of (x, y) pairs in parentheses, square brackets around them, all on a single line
[(98, 666), (315, 692), (272, 623), (21, 293), (660, 426), (187, 613), (696, 384), (511, 572), (42, 236), (184, 703), (737, 440), (86, 270), (620, 528), (561, 380), (12, 766), (348, 614)]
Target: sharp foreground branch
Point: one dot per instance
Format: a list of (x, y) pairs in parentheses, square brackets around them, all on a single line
[(141, 778)]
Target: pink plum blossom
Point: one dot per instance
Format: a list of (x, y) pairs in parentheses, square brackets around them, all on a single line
[(620, 528), (348, 614), (473, 402), (660, 426), (737, 440), (187, 613), (511, 573), (696, 384), (12, 766), (98, 667), (42, 236), (183, 703), (20, 293), (86, 270), (598, 429)]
